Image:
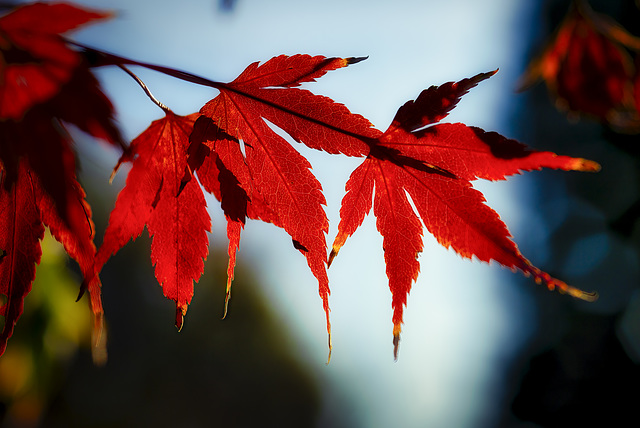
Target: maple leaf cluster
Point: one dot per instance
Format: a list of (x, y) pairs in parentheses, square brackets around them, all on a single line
[(416, 174), (590, 67)]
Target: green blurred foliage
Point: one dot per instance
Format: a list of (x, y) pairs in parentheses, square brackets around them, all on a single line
[(49, 333)]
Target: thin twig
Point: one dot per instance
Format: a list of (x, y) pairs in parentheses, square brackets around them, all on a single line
[(144, 88), (104, 58)]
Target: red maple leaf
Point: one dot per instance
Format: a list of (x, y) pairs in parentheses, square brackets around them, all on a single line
[(43, 85), (430, 166), (256, 172), (174, 212)]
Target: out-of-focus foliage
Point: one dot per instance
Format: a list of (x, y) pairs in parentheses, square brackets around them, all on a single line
[(588, 66), (52, 329)]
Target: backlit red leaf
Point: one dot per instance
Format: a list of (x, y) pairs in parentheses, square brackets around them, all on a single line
[(275, 178), (278, 174), (431, 169), (174, 213)]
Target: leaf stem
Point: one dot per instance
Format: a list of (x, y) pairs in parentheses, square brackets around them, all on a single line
[(100, 58), (144, 88)]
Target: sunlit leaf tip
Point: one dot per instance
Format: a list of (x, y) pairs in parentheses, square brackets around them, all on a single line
[(587, 296), (332, 255), (585, 165), (338, 242), (562, 287)]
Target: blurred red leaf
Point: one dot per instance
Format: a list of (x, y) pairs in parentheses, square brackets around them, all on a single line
[(26, 207), (20, 233), (44, 84), (36, 61), (588, 69)]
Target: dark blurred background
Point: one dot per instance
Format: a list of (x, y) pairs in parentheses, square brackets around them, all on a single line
[(581, 367)]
